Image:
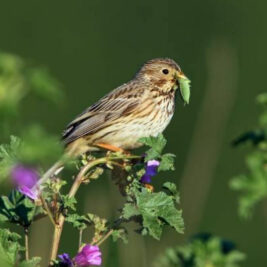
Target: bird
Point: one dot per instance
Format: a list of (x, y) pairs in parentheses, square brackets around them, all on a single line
[(142, 107)]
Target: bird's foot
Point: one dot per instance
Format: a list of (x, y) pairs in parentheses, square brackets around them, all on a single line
[(112, 148), (149, 187)]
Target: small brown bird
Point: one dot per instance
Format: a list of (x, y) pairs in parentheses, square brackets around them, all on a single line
[(140, 108)]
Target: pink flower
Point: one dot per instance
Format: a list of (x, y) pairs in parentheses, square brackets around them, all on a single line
[(25, 180), (151, 170), (89, 255)]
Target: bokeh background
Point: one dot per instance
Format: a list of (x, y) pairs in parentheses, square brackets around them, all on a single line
[(92, 46)]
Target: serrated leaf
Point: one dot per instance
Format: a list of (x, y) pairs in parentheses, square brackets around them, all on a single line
[(120, 234), (68, 202), (171, 187), (158, 209), (9, 247), (79, 222), (129, 211), (201, 253), (18, 209), (156, 145), (9, 156), (166, 162), (34, 262)]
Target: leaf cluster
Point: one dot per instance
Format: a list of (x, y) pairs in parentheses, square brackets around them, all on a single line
[(156, 146), (253, 184), (153, 210), (10, 249), (18, 78), (18, 209), (210, 251)]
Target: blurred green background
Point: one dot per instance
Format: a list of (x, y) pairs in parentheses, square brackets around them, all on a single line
[(92, 46)]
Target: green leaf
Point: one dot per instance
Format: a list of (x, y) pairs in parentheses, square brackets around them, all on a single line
[(79, 222), (18, 209), (39, 147), (8, 156), (206, 252), (44, 85), (34, 262), (156, 145), (129, 211), (166, 162), (68, 202), (120, 234), (9, 247), (155, 209), (253, 185), (171, 187), (158, 209)]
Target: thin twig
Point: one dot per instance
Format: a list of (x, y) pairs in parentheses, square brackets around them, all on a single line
[(26, 234), (80, 237), (49, 173), (105, 237), (78, 181), (47, 209)]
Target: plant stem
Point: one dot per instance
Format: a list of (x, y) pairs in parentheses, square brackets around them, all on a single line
[(78, 181), (47, 209), (49, 173), (72, 192), (105, 237), (26, 234), (80, 238)]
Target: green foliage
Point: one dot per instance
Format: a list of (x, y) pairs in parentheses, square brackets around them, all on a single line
[(17, 79), (18, 209), (9, 247), (120, 234), (39, 147), (80, 222), (44, 85), (208, 252), (253, 185), (34, 147), (157, 144), (68, 203), (33, 262), (8, 156), (154, 210)]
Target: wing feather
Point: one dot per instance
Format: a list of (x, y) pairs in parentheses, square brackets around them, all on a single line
[(107, 109)]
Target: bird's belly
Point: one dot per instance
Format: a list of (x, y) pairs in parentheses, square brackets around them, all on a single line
[(126, 135)]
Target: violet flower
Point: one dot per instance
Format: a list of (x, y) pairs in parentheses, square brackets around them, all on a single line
[(151, 170), (65, 260), (25, 180), (88, 256)]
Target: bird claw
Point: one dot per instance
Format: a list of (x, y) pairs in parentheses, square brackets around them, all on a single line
[(113, 148)]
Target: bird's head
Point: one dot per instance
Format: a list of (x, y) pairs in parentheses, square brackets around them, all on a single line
[(166, 75)]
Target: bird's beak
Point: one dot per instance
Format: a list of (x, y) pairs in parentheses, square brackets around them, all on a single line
[(180, 75), (184, 86)]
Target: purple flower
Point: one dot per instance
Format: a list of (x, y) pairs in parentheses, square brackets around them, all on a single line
[(151, 170), (89, 255), (25, 180), (65, 260)]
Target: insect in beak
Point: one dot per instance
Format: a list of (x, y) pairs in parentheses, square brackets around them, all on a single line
[(184, 86)]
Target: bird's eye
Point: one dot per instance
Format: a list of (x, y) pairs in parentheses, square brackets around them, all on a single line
[(165, 71)]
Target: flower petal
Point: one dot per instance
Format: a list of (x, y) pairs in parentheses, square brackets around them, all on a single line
[(30, 193)]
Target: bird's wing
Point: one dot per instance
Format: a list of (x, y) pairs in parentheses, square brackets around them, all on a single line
[(119, 103)]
